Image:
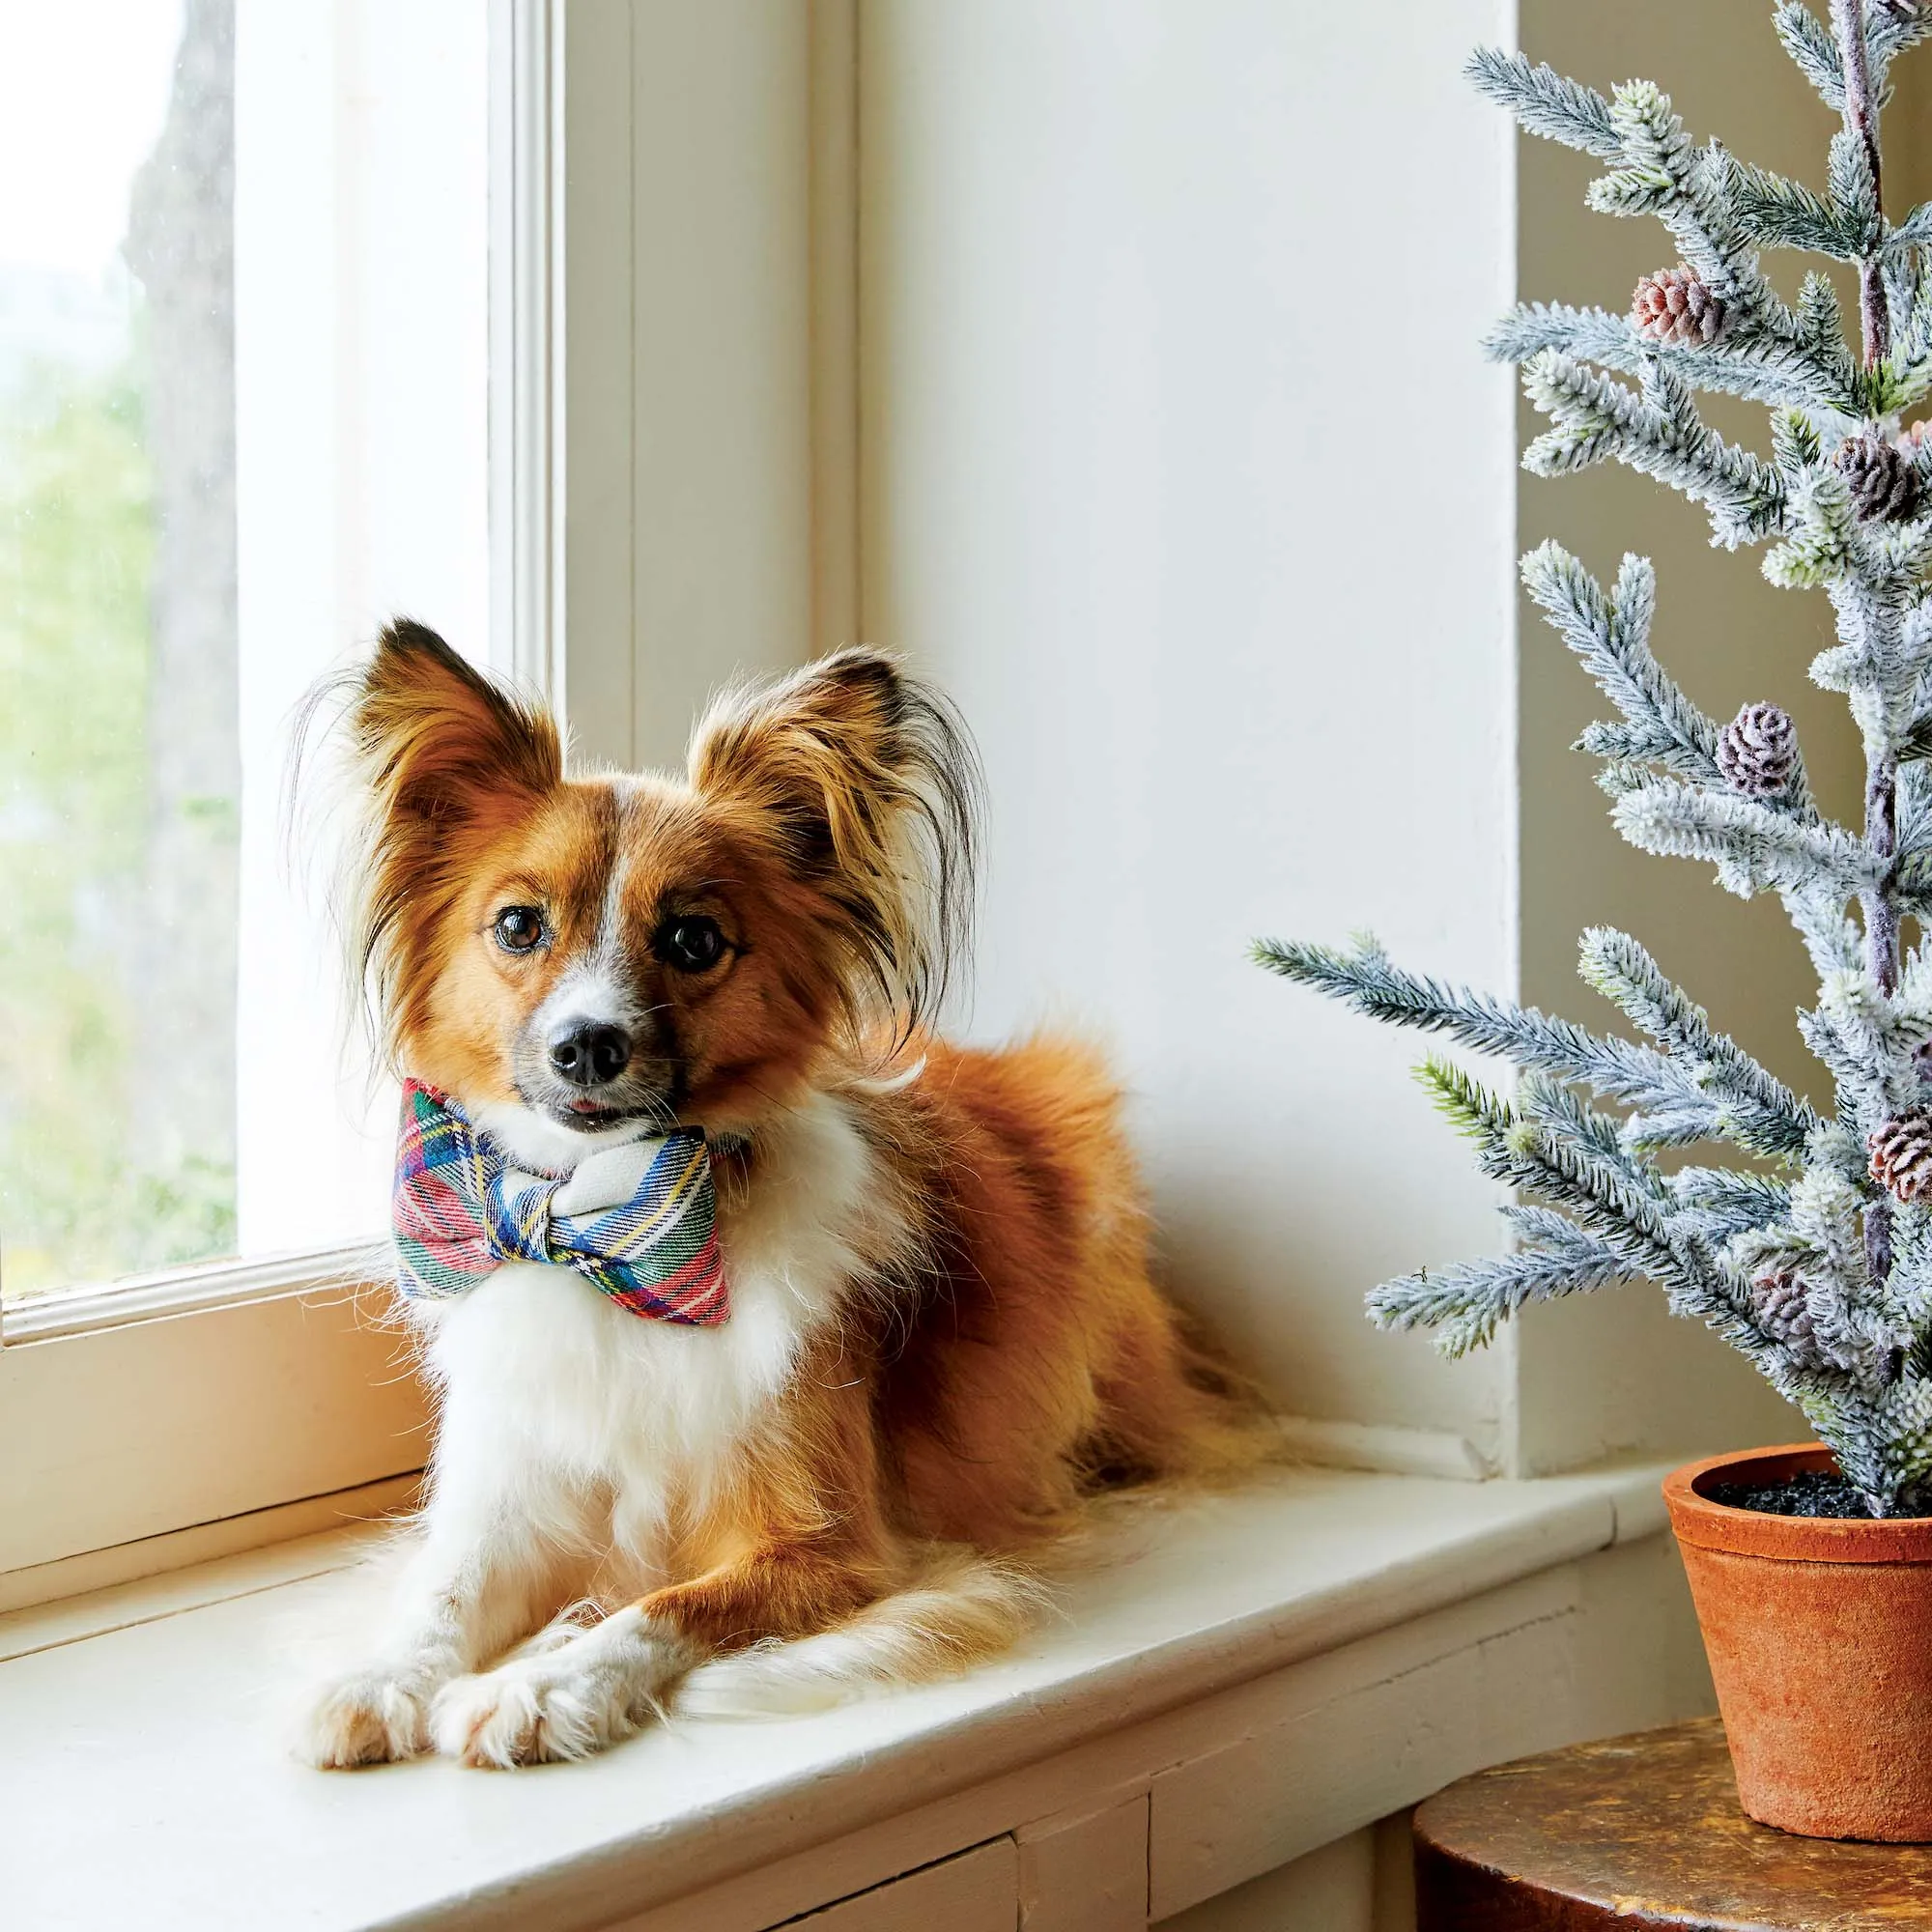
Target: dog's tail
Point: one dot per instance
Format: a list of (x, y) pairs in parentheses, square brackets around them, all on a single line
[(962, 1607)]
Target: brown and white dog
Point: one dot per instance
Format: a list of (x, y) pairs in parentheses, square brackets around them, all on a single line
[(942, 1334)]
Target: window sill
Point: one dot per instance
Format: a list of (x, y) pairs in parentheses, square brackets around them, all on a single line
[(148, 1780)]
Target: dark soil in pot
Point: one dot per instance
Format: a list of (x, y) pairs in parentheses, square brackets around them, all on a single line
[(1814, 1492)]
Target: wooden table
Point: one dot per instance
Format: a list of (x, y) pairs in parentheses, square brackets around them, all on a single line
[(1645, 1832)]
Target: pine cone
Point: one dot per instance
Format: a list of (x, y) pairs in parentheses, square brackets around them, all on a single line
[(1884, 478), (1758, 751), (1901, 1155), (1678, 305), (1780, 1302)]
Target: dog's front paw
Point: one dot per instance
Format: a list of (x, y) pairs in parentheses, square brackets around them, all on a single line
[(588, 1692), (371, 1717)]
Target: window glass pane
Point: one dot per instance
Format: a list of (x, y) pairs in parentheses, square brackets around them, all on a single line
[(242, 419)]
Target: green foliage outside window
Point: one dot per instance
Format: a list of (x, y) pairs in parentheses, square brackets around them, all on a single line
[(77, 1200)]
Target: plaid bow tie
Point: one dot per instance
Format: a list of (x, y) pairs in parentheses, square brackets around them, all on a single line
[(635, 1221)]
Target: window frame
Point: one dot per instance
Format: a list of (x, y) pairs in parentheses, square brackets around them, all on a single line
[(134, 1411), (673, 495)]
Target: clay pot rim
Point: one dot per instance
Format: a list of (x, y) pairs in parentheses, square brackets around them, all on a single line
[(1790, 1538)]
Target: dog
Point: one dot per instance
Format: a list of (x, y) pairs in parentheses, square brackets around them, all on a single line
[(940, 1334)]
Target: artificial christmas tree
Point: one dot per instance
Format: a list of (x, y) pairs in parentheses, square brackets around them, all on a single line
[(1841, 499), (1815, 1260)]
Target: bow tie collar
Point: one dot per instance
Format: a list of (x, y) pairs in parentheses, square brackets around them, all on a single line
[(637, 1222)]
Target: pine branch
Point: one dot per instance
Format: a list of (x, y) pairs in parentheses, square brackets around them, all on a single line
[(1822, 545), (1909, 1288), (1907, 373), (1855, 166), (1862, 70), (1544, 102), (1878, 662), (1759, 368), (1815, 52), (1527, 1153), (1914, 998), (1551, 1107), (1543, 1160), (1867, 1045), (1764, 1114), (1831, 940), (1365, 980), (1852, 1328), (1914, 806), (1465, 1304), (1753, 848), (1812, 46), (1721, 1201), (1540, 1224), (1657, 431), (1891, 28), (1689, 1125), (1662, 172), (1707, 1089), (1610, 636), (1884, 1444), (1913, 881), (1903, 269), (1778, 213), (1819, 333), (1914, 231), (1854, 207)]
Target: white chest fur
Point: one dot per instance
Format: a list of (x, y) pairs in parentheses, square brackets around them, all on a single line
[(547, 1382)]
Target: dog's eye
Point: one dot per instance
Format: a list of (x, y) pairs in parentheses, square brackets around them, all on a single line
[(518, 929), (692, 943)]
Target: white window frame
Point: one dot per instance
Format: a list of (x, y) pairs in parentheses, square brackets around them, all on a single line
[(674, 493), (133, 1414)]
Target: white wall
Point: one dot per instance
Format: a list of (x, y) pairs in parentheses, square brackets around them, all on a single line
[(1086, 352), (1139, 390)]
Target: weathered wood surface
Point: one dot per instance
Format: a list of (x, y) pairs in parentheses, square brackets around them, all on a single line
[(1645, 1832)]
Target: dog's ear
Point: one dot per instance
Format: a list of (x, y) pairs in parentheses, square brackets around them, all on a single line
[(440, 743), (446, 759), (867, 784)]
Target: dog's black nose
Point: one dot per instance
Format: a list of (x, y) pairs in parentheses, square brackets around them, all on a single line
[(587, 1056)]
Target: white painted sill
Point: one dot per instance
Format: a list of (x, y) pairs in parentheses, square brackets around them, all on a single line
[(144, 1779)]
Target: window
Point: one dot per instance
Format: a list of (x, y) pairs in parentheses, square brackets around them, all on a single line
[(593, 467), (245, 392)]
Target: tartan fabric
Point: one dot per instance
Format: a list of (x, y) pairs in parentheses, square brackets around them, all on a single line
[(461, 1210)]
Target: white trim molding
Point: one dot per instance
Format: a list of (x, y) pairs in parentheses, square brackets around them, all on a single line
[(705, 460), (525, 410), (1327, 1444), (190, 1290), (192, 1557), (130, 1432)]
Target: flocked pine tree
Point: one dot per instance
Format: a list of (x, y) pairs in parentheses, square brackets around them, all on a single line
[(1816, 1262)]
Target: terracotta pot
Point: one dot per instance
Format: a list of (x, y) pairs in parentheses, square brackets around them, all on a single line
[(1819, 1631)]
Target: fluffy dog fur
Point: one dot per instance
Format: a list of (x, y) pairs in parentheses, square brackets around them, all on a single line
[(942, 1334)]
